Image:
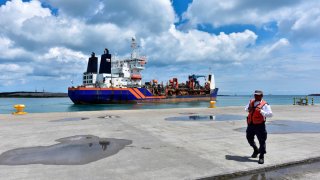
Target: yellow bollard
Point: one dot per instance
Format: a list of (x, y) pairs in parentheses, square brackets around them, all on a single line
[(19, 108), (212, 104)]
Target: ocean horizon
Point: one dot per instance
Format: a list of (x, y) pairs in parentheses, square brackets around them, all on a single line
[(64, 104)]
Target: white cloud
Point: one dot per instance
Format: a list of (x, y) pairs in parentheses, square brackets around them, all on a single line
[(83, 9), (14, 13), (63, 55), (200, 46), (256, 12), (80, 35), (267, 50), (14, 74), (295, 18), (59, 62), (14, 68), (8, 51), (73, 34), (145, 18), (30, 26), (307, 23)]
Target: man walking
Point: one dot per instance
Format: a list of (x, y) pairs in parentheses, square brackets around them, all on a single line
[(258, 110)]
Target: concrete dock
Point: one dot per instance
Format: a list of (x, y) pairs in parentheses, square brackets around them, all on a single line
[(159, 148)]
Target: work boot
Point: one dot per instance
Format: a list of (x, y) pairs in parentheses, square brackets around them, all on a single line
[(255, 153), (261, 159)]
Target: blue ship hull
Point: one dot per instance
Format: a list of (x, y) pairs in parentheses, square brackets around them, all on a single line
[(83, 95)]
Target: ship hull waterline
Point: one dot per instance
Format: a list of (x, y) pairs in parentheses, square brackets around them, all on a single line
[(82, 95)]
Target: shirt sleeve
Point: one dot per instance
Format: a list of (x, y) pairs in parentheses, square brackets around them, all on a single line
[(266, 111), (247, 107)]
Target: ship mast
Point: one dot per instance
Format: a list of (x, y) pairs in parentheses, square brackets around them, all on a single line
[(133, 48)]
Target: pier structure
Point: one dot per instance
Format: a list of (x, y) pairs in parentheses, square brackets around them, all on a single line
[(189, 143)]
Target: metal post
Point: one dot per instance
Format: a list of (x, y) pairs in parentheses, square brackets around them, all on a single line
[(300, 101), (307, 100)]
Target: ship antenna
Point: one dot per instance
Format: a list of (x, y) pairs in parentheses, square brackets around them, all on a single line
[(133, 48)]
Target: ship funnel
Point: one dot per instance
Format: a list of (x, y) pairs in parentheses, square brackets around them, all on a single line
[(92, 64), (212, 81), (105, 64)]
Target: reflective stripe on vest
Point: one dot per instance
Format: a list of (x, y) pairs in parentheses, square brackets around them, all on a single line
[(254, 115)]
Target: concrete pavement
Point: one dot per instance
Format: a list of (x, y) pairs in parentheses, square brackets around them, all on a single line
[(160, 149)]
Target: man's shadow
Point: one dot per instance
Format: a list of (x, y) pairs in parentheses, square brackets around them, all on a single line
[(240, 158)]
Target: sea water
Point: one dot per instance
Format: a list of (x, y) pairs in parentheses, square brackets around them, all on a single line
[(42, 105)]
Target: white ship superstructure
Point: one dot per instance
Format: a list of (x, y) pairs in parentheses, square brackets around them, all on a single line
[(117, 73)]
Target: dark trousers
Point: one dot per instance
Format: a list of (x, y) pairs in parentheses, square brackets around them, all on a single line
[(260, 131)]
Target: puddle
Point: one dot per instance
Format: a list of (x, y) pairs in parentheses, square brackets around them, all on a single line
[(74, 150), (109, 117), (219, 117), (286, 127), (70, 119)]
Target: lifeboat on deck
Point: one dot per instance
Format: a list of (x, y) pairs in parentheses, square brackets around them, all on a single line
[(136, 76)]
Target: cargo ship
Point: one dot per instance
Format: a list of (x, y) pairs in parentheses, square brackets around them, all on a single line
[(120, 82)]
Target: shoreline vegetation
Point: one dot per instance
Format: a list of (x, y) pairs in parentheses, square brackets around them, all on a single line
[(314, 95), (25, 94)]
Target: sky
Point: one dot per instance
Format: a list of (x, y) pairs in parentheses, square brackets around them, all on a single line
[(249, 44)]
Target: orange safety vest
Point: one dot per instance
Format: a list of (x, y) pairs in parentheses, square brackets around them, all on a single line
[(254, 115)]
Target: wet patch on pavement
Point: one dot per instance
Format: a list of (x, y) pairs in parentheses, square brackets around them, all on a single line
[(74, 150), (146, 148), (109, 117), (286, 127), (290, 172), (70, 119), (187, 113), (218, 117)]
